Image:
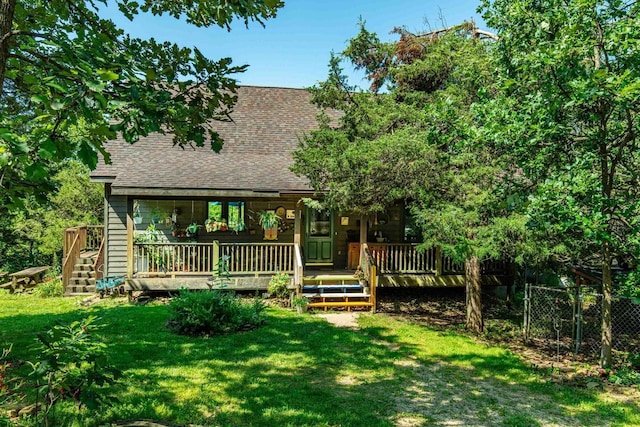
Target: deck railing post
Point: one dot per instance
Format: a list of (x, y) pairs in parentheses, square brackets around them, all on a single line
[(215, 255)]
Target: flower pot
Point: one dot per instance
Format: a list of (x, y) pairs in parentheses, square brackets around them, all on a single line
[(271, 233)]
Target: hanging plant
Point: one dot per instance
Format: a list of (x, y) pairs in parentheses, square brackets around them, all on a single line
[(268, 219), (193, 228), (137, 218)]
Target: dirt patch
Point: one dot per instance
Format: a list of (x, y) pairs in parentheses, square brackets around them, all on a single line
[(445, 310), (341, 319)]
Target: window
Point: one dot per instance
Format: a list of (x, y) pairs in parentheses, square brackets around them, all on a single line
[(225, 216)]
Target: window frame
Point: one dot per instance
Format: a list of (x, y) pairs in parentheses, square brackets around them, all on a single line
[(224, 213)]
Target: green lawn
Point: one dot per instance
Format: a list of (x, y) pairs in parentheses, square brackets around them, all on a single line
[(300, 370)]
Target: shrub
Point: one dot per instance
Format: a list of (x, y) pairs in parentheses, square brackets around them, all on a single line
[(278, 285), (213, 312), (625, 376), (52, 288)]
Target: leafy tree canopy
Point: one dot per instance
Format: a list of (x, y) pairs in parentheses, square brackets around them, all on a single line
[(417, 141), (66, 74), (571, 75)]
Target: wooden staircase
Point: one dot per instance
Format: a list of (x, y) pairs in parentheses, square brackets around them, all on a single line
[(82, 254), (333, 291), (83, 276)]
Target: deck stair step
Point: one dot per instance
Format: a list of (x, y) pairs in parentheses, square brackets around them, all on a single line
[(332, 290), (82, 280), (335, 293), (83, 273)]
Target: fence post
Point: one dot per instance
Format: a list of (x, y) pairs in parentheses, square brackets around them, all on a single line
[(578, 321), (527, 311)]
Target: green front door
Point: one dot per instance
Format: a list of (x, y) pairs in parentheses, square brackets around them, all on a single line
[(319, 237)]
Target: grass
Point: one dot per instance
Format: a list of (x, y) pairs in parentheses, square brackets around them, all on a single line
[(300, 370)]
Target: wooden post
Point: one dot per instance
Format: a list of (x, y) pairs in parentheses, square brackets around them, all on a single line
[(215, 254), (297, 227), (438, 262), (373, 283), (129, 238), (363, 236)]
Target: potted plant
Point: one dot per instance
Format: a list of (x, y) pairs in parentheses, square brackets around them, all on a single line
[(211, 225), (157, 214), (362, 279), (269, 222), (175, 229), (192, 229), (300, 303)]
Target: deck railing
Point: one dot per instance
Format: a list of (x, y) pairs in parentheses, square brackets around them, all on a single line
[(259, 257), (175, 258), (202, 258), (406, 258), (397, 257)]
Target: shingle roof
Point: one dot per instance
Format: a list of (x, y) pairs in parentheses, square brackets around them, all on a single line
[(267, 124)]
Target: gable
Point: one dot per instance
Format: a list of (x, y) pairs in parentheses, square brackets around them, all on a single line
[(266, 126)]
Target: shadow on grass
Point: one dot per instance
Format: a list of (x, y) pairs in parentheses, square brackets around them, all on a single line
[(303, 371), (481, 384)]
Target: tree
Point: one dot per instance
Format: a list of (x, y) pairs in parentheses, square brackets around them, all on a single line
[(416, 142), (33, 235), (571, 70), (65, 71)]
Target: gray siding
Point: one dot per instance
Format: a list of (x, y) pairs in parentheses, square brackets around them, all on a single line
[(117, 235)]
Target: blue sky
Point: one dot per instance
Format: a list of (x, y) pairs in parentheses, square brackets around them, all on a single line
[(293, 49)]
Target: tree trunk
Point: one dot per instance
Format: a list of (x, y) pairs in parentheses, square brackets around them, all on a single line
[(607, 342), (474, 294), (7, 8)]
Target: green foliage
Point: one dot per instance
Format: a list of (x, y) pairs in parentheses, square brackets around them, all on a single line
[(569, 75), (419, 142), (301, 302), (634, 360), (73, 80), (268, 219), (33, 235), (624, 376), (278, 285), (72, 366), (213, 312), (52, 288), (628, 285)]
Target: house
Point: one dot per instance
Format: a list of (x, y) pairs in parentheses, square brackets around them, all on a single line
[(171, 214)]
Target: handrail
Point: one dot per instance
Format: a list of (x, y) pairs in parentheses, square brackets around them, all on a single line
[(68, 262), (369, 269), (298, 268), (99, 262)]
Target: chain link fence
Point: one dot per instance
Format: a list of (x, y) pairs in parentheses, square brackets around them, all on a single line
[(568, 320)]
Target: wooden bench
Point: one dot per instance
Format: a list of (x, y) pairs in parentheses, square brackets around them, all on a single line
[(27, 278)]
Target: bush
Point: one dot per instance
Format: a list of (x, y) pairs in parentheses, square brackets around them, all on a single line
[(52, 288), (213, 312), (278, 285)]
